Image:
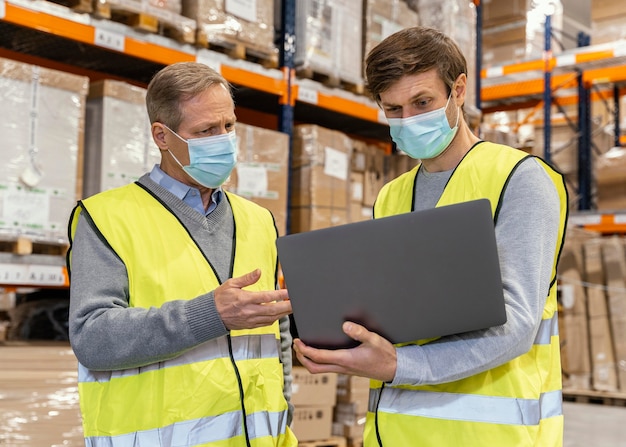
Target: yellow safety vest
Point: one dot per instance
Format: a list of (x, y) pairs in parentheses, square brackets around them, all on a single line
[(516, 404), (198, 398)]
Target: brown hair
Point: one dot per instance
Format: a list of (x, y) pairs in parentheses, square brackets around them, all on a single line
[(412, 51), (177, 83)]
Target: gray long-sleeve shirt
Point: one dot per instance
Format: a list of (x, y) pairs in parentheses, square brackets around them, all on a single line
[(526, 231), (107, 334)]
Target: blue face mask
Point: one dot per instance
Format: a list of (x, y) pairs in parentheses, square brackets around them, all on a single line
[(425, 135), (211, 159)]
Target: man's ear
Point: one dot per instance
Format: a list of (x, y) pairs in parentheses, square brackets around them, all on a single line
[(158, 135), (460, 89)]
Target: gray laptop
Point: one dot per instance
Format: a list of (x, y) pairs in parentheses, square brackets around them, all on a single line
[(407, 277)]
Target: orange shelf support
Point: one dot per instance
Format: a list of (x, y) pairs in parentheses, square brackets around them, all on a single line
[(49, 23), (348, 107), (268, 84)]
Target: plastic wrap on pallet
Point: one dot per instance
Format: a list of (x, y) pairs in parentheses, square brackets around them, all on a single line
[(535, 27), (227, 22), (42, 122), (167, 14), (118, 146), (457, 19), (382, 18), (329, 36)]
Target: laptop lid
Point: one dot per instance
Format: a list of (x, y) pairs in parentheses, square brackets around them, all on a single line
[(406, 277)]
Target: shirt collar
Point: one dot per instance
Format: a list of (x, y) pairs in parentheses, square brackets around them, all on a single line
[(188, 194)]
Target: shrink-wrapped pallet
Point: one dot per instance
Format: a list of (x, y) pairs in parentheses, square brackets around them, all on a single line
[(118, 146), (42, 123)]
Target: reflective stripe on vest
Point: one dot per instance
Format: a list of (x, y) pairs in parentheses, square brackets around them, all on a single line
[(467, 407), (547, 329), (244, 348), (197, 432)]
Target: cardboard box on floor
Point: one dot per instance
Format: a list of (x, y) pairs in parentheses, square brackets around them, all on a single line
[(313, 396), (604, 373), (614, 265)]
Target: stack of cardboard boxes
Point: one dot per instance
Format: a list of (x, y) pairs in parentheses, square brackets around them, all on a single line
[(320, 179), (351, 408), (314, 397), (592, 284)]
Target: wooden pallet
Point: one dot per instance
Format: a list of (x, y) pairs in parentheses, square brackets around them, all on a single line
[(328, 80), (335, 441), (22, 245), (148, 19), (232, 47), (81, 6), (617, 399), (355, 442)]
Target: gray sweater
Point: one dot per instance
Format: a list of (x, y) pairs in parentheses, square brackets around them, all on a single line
[(106, 334), (526, 231)]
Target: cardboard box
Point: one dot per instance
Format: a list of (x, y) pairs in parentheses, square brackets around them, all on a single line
[(573, 315), (614, 264), (604, 373), (261, 174), (609, 172), (497, 12), (313, 389), (312, 422), (119, 147), (42, 122), (320, 178), (381, 18), (374, 177)]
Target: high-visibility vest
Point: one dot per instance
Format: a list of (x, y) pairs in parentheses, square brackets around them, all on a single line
[(518, 403), (201, 397)]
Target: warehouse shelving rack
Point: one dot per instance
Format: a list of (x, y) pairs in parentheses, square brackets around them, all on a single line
[(41, 32), (51, 35), (572, 77)]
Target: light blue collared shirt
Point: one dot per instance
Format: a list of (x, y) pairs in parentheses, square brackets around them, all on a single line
[(188, 194)]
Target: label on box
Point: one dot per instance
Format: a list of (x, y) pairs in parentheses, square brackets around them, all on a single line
[(24, 207), (246, 9), (567, 295), (252, 180), (335, 163)]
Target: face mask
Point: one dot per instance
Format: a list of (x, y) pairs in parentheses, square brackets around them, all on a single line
[(211, 159), (425, 135)]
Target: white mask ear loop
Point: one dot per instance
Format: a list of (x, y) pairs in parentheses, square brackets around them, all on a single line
[(168, 149)]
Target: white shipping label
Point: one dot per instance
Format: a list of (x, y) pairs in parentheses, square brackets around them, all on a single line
[(3, 9), (246, 9), (251, 180), (24, 207), (335, 163), (357, 191), (567, 295)]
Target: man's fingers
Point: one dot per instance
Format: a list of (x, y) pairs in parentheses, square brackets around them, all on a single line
[(245, 280)]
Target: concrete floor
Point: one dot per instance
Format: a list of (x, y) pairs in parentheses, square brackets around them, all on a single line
[(39, 404), (594, 425)]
